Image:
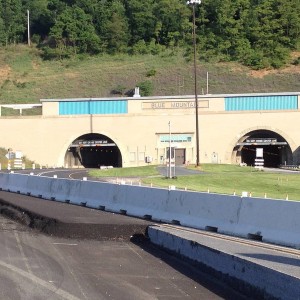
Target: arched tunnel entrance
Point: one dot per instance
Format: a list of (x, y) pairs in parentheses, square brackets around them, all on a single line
[(276, 151), (93, 151)]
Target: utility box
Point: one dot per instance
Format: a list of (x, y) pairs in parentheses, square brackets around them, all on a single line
[(148, 159)]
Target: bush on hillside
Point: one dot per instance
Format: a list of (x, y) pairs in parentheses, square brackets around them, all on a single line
[(146, 88)]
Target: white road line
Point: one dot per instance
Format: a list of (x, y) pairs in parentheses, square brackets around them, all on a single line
[(70, 175), (43, 283), (22, 253), (52, 171), (72, 273), (65, 244)]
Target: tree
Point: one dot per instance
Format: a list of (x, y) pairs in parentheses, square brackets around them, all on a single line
[(13, 19), (266, 34), (141, 20), (222, 28), (74, 31), (171, 19), (40, 17), (2, 32), (115, 32), (289, 20), (146, 88)]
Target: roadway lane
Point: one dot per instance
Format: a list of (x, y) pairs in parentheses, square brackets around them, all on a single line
[(80, 173), (39, 266)]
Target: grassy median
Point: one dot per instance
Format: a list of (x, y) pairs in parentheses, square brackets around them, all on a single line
[(222, 179)]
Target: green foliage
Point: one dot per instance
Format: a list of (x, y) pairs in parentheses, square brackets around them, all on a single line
[(119, 90), (21, 85), (146, 88), (155, 48), (140, 48), (96, 76), (255, 59), (296, 62), (141, 20), (151, 73), (73, 33), (12, 16), (2, 32), (257, 33)]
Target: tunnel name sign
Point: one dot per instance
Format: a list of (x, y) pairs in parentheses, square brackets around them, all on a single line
[(261, 140), (174, 104)]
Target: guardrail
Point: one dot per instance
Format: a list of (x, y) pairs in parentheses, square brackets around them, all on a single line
[(290, 167)]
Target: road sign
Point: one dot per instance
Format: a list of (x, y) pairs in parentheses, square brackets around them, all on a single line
[(10, 155)]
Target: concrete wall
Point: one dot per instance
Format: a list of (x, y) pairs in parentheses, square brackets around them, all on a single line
[(45, 139), (275, 221)]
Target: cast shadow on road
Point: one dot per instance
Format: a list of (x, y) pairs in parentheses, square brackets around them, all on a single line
[(201, 274), (274, 258)]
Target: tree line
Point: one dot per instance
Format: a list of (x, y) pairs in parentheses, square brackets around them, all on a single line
[(257, 33)]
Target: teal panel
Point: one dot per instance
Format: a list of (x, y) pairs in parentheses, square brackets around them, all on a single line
[(73, 108), (176, 138), (109, 107), (93, 107), (261, 103)]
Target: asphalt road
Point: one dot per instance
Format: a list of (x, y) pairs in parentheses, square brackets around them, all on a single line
[(44, 266), (81, 173)]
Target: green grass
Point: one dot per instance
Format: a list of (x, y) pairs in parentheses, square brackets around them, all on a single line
[(222, 179), (26, 78)]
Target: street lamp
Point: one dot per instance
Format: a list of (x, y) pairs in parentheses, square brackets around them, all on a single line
[(194, 3), (28, 28), (170, 147)]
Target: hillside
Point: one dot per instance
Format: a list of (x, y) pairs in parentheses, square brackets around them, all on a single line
[(26, 78)]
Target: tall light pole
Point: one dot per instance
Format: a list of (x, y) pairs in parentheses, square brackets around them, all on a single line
[(28, 28), (194, 3), (170, 152)]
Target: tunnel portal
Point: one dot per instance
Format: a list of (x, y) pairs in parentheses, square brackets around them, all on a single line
[(276, 150), (93, 151)]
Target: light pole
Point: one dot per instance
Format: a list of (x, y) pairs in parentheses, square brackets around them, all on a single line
[(194, 3), (170, 147), (28, 28)]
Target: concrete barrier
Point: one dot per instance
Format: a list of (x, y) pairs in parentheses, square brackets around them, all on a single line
[(13, 182), (236, 270), (275, 221)]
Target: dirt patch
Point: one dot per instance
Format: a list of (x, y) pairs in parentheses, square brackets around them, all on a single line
[(260, 73), (25, 217), (71, 75), (35, 65), (15, 214), (50, 226), (4, 72), (292, 69)]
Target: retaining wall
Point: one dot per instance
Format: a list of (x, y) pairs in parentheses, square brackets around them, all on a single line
[(254, 279), (275, 221)]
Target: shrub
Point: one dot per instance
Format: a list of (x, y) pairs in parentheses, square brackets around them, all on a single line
[(151, 73), (146, 88), (118, 90), (140, 48)]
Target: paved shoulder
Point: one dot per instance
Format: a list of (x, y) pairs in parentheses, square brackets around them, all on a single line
[(178, 171)]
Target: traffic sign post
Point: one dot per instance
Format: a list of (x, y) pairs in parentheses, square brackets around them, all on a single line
[(16, 158), (259, 161)]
